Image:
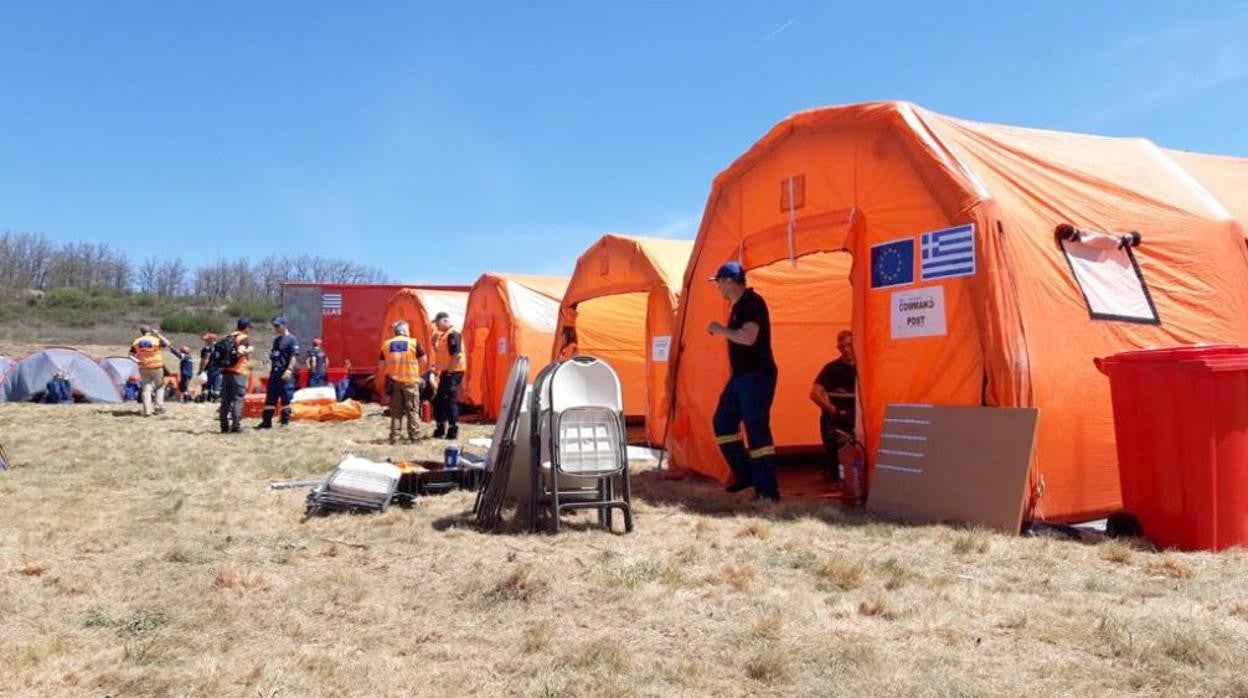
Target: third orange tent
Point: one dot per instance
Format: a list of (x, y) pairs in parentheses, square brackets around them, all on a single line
[(620, 306)]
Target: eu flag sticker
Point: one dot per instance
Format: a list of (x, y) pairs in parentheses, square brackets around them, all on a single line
[(892, 263)]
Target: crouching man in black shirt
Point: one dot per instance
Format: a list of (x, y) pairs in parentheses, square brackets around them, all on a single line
[(834, 393), (748, 396)]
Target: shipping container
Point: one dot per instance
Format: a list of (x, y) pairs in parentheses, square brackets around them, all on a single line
[(347, 318)]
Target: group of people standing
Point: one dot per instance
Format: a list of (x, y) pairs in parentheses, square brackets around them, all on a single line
[(410, 378)]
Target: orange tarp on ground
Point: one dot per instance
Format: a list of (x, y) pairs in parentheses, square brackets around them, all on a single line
[(620, 306), (417, 307), (803, 209), (311, 410), (508, 315)]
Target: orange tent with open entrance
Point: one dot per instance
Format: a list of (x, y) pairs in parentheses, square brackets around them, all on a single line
[(508, 315), (620, 306), (935, 240), (418, 307)]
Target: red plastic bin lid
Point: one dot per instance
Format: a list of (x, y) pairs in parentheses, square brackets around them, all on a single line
[(1206, 355)]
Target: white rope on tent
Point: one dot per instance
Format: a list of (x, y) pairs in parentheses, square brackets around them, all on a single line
[(792, 224)]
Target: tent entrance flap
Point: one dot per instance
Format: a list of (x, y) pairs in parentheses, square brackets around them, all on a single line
[(809, 304)]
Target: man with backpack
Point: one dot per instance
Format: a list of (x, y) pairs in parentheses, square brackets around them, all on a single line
[(232, 354), (318, 365), (281, 374), (212, 374)]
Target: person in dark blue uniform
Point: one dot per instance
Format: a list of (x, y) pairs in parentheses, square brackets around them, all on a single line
[(281, 374), (317, 365), (58, 390), (746, 399)]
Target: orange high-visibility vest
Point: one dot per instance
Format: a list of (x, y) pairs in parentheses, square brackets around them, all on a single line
[(402, 362), (146, 351), (243, 366), (445, 361)]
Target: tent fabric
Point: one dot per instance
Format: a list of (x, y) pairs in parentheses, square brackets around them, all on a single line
[(418, 307), (1225, 178), (27, 379), (507, 315), (847, 186), (621, 301), (119, 370)]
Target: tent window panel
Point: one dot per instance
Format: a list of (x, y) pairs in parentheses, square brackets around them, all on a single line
[(1112, 284)]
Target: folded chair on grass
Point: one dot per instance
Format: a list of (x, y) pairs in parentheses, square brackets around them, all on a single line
[(356, 484), (579, 443), (492, 495)]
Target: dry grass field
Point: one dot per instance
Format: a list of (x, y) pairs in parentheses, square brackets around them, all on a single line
[(147, 558)]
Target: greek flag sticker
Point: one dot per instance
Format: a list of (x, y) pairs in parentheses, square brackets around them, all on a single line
[(947, 253)]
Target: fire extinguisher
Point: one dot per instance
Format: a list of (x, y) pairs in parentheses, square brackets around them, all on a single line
[(852, 463), (426, 411)]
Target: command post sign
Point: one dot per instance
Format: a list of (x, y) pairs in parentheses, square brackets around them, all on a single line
[(918, 313)]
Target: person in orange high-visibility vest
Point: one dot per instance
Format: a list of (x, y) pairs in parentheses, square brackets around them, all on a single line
[(147, 349), (400, 362), (448, 360), (234, 379)]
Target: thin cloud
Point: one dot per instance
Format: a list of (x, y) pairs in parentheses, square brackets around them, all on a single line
[(1171, 64), (775, 32), (678, 227)]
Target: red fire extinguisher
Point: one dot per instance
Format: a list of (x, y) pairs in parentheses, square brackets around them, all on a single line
[(426, 411), (852, 463)]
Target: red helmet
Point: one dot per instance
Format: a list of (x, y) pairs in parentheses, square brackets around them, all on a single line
[(316, 342), (208, 337)]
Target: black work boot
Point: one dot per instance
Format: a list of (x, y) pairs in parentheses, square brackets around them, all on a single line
[(452, 433), (440, 431)]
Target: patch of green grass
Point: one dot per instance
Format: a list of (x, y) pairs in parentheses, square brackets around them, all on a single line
[(192, 323)]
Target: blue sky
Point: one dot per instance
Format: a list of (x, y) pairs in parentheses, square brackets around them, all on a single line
[(438, 140)]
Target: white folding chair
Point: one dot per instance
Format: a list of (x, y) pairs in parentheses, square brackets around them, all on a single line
[(579, 443)]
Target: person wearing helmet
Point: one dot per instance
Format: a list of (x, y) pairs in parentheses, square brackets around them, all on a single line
[(400, 362), (317, 363), (212, 374)]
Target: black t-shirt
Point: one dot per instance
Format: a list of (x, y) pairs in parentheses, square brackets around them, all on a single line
[(317, 355), (282, 357), (454, 343), (756, 358), (838, 375)]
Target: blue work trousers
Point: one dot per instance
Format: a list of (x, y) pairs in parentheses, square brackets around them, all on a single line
[(746, 401)]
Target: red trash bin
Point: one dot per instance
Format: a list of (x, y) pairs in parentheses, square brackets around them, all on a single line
[(1181, 424)]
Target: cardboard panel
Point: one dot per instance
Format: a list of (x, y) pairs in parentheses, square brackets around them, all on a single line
[(954, 464)]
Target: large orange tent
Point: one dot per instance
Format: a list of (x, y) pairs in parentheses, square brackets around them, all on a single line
[(620, 306), (508, 315), (934, 239), (1225, 178), (418, 307)]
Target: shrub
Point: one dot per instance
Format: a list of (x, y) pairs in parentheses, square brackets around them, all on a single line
[(191, 323), (257, 309), (144, 300), (66, 297), (105, 304)]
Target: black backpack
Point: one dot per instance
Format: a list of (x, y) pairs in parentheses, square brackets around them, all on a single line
[(224, 352)]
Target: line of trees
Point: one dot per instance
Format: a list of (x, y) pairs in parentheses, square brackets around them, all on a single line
[(32, 261)]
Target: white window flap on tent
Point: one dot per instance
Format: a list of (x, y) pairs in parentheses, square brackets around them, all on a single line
[(453, 303), (1111, 282), (532, 308)]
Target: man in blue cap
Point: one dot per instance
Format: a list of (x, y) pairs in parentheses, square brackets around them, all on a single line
[(281, 374), (746, 399)]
